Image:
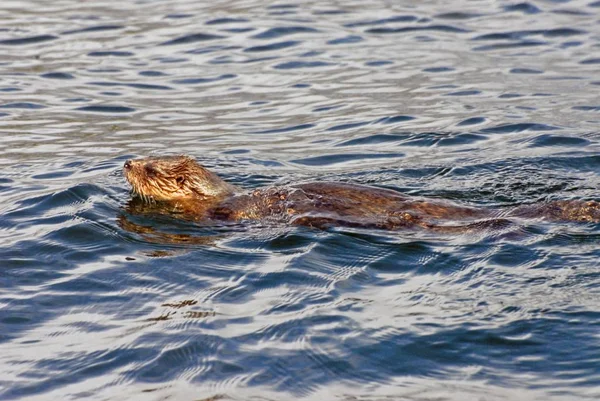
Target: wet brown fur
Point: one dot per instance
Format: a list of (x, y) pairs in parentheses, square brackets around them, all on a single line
[(188, 188), (176, 179)]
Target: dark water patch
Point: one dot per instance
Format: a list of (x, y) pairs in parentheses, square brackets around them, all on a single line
[(437, 28), (198, 81), (394, 119), (236, 152), (75, 164), (105, 70), (52, 175), (447, 86), (109, 109), (300, 86), (425, 38), (576, 162), (301, 64), (98, 28), (27, 41), (325, 108), (286, 129), (5, 182), (221, 21), (594, 4), (472, 121), (525, 108), (152, 73), (464, 93), (78, 367), (438, 69), (497, 36), (178, 16), (328, 160), (526, 8), (221, 60), (562, 32), (518, 35), (571, 12), (458, 16), (110, 93), (509, 96), (586, 108), (345, 40), (330, 12), (110, 53), (132, 85), (508, 46), (57, 75), (522, 127), (212, 49), (378, 63), (547, 140), (36, 206), (525, 71), (196, 37), (273, 46), (77, 100), (282, 7), (280, 13), (238, 30), (572, 43), (10, 89), (278, 32), (312, 53), (4, 115), (22, 105), (397, 18), (565, 78), (347, 126), (588, 61)]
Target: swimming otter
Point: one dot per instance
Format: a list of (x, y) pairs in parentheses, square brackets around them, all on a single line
[(188, 188)]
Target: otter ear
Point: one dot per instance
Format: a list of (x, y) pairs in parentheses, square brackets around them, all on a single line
[(149, 168), (180, 180)]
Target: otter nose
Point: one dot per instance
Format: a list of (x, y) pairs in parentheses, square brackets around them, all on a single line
[(127, 165)]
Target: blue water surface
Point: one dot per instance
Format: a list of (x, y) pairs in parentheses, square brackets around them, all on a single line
[(485, 103)]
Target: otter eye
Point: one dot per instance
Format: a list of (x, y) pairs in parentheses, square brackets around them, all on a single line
[(180, 179), (150, 171)]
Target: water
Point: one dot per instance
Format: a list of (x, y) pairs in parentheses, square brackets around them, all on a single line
[(482, 102)]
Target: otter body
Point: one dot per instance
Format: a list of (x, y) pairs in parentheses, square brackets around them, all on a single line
[(179, 181)]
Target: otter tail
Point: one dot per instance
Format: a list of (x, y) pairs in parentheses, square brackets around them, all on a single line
[(569, 210)]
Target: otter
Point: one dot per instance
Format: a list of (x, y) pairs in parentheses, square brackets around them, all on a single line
[(186, 187)]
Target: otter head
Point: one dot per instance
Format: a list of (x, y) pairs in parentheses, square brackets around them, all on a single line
[(173, 178)]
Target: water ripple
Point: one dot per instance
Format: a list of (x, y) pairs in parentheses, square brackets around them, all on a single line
[(105, 298), (278, 32), (28, 40), (197, 37)]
